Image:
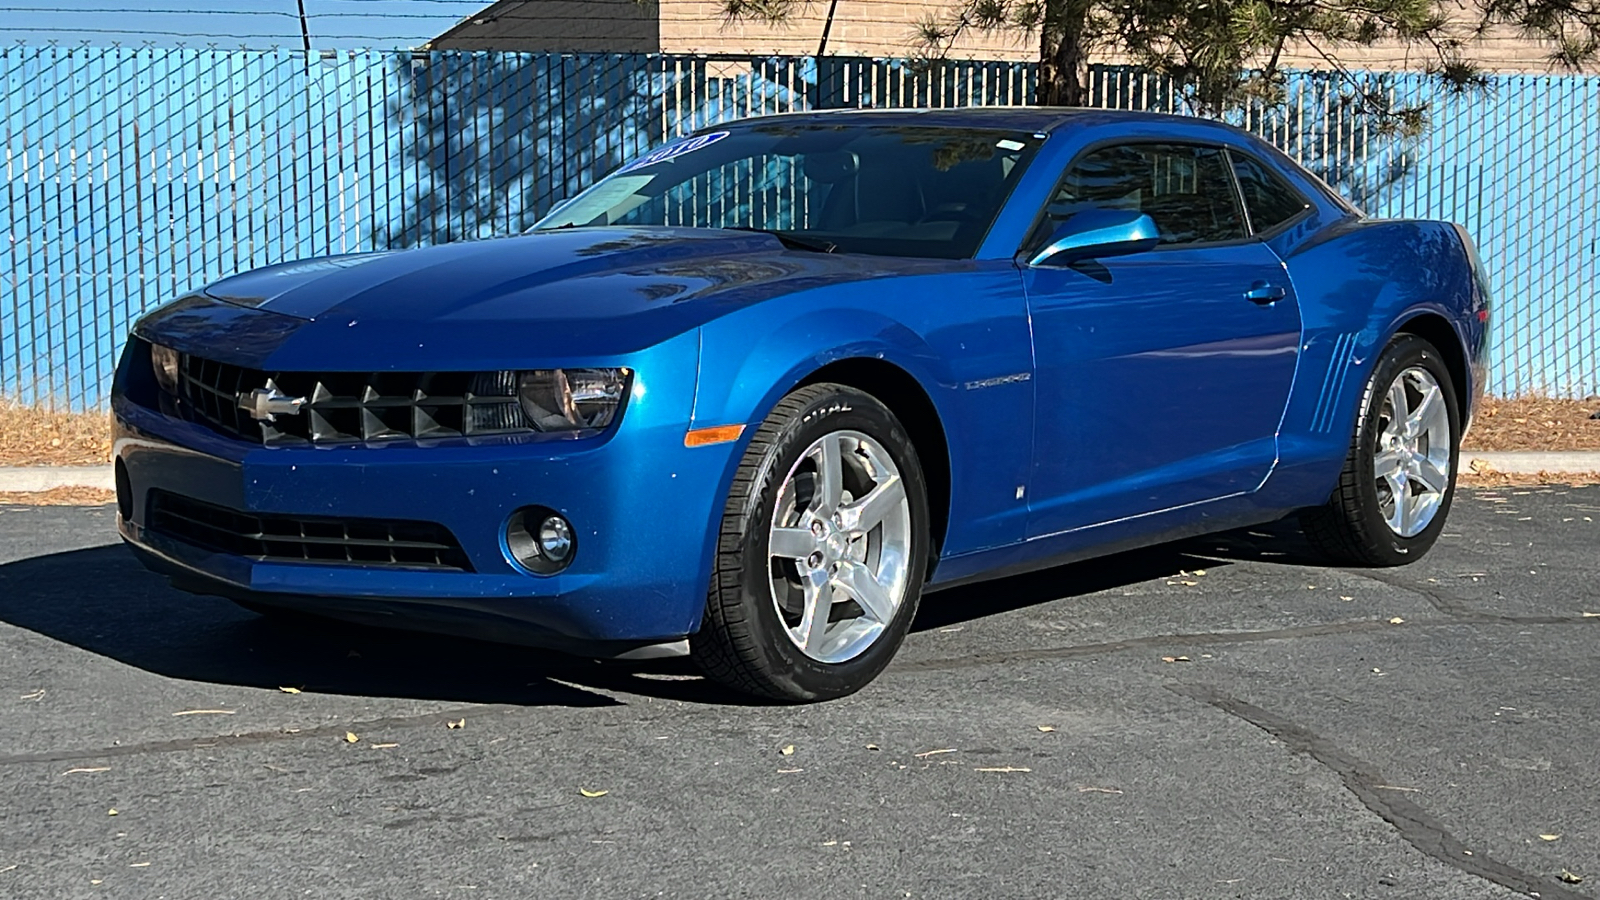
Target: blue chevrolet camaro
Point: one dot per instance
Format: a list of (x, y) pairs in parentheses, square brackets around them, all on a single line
[(754, 393)]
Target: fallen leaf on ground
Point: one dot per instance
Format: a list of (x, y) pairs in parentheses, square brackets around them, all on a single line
[(1047, 728), (788, 750), (289, 690), (588, 793), (86, 771), (459, 723), (205, 712), (1001, 769), (1397, 621), (1342, 597), (1571, 877), (350, 737), (112, 811), (1549, 837), (873, 747), (927, 753)]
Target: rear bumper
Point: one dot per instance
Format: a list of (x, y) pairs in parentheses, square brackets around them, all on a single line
[(643, 507)]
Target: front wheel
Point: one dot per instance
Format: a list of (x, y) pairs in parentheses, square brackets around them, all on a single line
[(1399, 476), (822, 550)]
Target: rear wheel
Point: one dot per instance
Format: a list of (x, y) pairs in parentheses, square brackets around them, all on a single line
[(822, 550), (1399, 477)]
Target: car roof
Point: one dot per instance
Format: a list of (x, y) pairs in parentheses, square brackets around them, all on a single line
[(1036, 119)]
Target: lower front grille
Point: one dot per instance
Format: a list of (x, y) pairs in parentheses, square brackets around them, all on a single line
[(389, 543)]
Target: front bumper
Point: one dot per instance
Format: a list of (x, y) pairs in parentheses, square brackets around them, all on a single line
[(644, 509)]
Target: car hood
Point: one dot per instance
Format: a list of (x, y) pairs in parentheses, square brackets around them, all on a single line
[(526, 277), (568, 294), (647, 281)]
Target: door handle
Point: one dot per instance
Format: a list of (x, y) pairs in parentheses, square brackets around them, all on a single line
[(1264, 293)]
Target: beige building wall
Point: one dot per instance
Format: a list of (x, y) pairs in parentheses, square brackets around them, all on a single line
[(874, 28), (1500, 50), (860, 28)]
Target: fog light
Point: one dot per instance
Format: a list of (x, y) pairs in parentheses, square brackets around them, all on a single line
[(540, 540), (555, 539)]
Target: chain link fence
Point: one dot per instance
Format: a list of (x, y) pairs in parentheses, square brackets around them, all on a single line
[(132, 175)]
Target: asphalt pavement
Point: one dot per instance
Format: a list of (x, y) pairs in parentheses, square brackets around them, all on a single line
[(1213, 719)]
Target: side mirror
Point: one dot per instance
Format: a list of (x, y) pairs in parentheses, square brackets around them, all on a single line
[(1095, 233)]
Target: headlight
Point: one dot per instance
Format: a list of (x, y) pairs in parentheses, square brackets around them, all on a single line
[(571, 399), (164, 361)]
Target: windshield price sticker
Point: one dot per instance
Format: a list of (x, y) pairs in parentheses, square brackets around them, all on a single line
[(673, 151)]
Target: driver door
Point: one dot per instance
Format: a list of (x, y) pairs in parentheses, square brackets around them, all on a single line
[(1161, 376)]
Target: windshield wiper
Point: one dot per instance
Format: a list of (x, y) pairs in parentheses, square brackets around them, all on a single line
[(793, 241)]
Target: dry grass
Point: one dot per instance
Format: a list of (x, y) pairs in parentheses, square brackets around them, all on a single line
[(1534, 423), (1494, 479), (62, 496), (30, 436)]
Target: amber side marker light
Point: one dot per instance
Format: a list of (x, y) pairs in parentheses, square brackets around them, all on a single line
[(716, 434)]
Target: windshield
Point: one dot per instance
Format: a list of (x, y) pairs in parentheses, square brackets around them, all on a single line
[(850, 188)]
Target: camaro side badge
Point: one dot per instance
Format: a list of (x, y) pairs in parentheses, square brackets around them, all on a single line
[(268, 403)]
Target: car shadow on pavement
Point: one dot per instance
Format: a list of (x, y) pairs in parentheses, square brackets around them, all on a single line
[(103, 601), (1279, 542)]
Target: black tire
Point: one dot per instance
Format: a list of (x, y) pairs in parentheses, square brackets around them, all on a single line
[(742, 642), (1350, 527)]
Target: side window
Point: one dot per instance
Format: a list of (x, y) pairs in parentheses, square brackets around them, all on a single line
[(1269, 199), (1185, 189)]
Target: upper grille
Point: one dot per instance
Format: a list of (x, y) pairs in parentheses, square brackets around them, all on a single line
[(344, 407), (278, 538)]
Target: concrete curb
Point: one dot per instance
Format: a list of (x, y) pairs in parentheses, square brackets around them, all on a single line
[(1530, 462), (29, 479)]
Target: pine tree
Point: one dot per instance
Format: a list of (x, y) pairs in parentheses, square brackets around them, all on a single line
[(1224, 54)]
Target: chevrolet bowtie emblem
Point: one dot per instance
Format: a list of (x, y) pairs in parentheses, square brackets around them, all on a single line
[(268, 403)]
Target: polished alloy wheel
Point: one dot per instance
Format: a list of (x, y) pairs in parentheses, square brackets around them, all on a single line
[(839, 546), (1411, 462)]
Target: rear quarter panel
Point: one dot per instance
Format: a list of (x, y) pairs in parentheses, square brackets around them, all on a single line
[(1359, 282)]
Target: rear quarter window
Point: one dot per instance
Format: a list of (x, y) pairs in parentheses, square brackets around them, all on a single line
[(1269, 199)]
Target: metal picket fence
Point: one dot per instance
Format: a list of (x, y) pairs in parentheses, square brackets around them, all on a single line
[(132, 175)]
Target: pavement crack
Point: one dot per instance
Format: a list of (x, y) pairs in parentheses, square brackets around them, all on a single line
[(1361, 778), (1439, 600), (210, 742)]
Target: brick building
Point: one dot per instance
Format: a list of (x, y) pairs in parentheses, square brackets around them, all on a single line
[(877, 28)]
